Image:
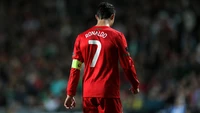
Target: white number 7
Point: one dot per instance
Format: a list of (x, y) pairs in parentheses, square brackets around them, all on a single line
[(96, 55)]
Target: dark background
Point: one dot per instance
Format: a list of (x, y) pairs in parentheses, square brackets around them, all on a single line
[(36, 44)]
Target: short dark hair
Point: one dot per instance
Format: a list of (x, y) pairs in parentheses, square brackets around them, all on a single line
[(105, 10)]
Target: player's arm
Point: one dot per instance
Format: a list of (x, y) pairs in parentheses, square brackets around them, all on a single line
[(127, 63), (77, 61)]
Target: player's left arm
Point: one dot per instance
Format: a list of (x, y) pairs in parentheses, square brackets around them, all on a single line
[(127, 63), (77, 61)]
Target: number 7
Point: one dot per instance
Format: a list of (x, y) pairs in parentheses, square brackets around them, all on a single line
[(96, 55)]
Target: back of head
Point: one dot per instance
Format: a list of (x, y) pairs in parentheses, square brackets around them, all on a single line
[(105, 10)]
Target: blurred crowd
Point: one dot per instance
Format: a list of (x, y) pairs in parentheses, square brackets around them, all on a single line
[(36, 44)]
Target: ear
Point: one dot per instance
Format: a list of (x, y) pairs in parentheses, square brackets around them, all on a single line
[(112, 16), (96, 17)]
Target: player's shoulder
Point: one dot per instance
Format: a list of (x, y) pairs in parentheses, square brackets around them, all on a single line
[(109, 30), (116, 34), (116, 31), (113, 32)]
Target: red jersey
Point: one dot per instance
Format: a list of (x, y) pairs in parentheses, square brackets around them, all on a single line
[(100, 48)]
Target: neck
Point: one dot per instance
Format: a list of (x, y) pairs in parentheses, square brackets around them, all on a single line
[(103, 22)]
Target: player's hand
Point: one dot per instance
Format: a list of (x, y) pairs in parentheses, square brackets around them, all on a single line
[(134, 91), (69, 102)]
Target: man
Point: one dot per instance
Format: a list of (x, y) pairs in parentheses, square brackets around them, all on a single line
[(100, 48)]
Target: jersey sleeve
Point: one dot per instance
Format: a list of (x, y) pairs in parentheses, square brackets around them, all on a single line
[(126, 62), (74, 76)]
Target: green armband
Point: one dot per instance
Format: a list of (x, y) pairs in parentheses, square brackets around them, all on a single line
[(76, 64)]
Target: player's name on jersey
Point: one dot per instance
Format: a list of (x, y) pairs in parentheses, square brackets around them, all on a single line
[(96, 33)]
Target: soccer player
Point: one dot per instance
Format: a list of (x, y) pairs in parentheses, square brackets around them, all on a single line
[(100, 48)]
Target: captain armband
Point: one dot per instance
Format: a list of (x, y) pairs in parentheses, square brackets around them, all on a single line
[(76, 64)]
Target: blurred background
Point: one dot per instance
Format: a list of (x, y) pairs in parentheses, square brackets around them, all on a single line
[(36, 44)]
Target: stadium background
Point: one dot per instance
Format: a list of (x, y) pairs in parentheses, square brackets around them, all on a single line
[(36, 43)]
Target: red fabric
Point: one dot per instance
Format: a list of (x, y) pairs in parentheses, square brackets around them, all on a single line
[(102, 105), (73, 81), (102, 80)]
